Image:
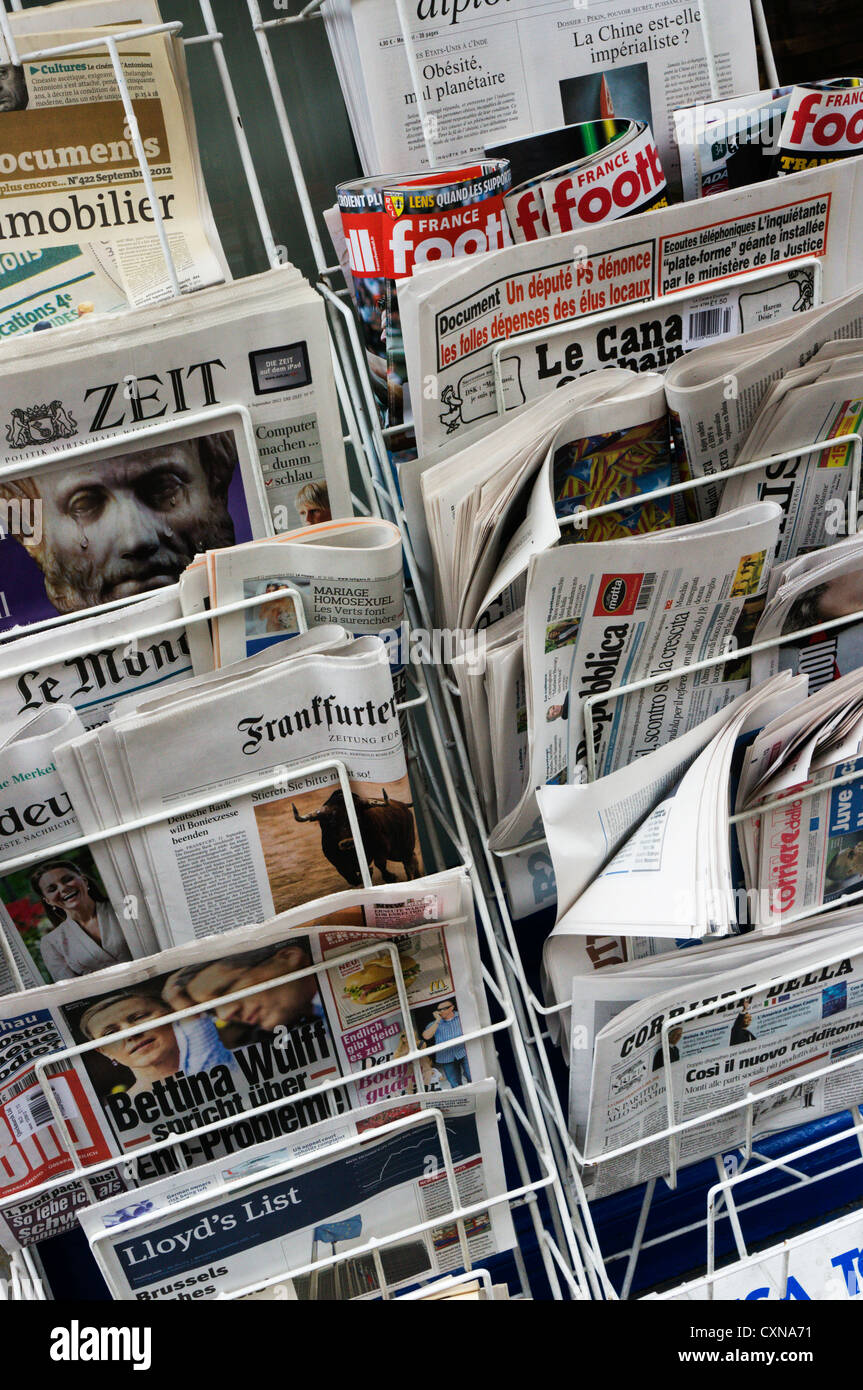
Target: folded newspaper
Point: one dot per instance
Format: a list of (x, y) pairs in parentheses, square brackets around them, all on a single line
[(491, 505), (73, 192), (144, 492), (818, 491), (55, 915), (344, 572), (326, 984), (653, 855), (801, 793), (614, 170), (291, 1205), (316, 739), (729, 143), (618, 612), (716, 394)]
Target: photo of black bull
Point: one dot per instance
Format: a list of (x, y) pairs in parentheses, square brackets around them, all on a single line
[(387, 829)]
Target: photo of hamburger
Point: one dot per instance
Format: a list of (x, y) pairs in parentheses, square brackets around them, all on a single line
[(375, 981)]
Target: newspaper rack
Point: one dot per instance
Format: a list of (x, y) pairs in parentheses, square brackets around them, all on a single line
[(448, 806), (438, 806)]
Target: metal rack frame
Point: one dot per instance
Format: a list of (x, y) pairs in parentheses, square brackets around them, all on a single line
[(439, 808), (572, 1259)]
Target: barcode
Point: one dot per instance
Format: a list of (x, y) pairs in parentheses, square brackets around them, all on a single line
[(645, 593), (28, 1114), (708, 323)]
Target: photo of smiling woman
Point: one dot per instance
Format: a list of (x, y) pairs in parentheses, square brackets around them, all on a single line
[(60, 913), (85, 933)]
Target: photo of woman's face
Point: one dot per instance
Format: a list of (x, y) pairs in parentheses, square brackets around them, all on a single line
[(151, 1049), (65, 890)]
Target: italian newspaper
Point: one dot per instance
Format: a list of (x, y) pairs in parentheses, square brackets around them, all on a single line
[(748, 1050)]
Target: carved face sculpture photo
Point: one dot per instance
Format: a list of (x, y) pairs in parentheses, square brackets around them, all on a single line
[(129, 523)]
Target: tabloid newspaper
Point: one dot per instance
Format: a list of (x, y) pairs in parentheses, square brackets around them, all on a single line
[(390, 228), (458, 318), (245, 856), (291, 1204), (450, 75), (762, 1033), (184, 488), (612, 170), (303, 1033), (823, 123), (72, 187)]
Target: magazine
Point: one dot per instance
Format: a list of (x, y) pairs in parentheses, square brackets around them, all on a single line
[(72, 179)]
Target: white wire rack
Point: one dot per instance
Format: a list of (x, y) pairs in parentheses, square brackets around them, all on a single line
[(539, 1189), (547, 1161), (532, 1014)]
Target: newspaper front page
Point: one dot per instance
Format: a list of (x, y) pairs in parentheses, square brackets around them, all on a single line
[(293, 1203), (612, 613), (745, 1045), (298, 1030), (244, 857), (454, 317), (489, 73), (70, 173), (266, 453)]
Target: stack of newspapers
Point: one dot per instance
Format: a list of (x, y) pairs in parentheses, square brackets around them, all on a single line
[(717, 798), (214, 895)]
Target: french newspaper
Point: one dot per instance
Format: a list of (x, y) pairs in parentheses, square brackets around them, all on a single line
[(69, 172), (459, 319), (462, 73)]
